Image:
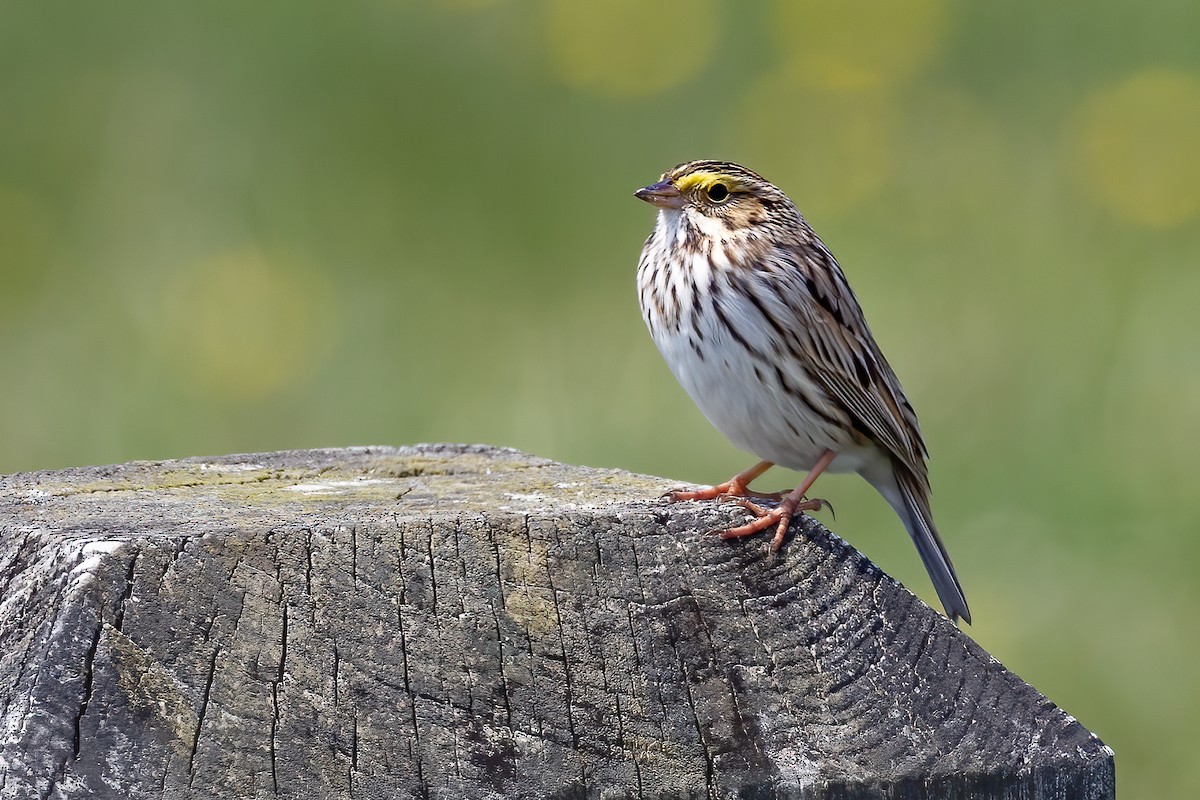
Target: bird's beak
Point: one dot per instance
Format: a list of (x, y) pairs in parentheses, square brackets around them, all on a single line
[(662, 194)]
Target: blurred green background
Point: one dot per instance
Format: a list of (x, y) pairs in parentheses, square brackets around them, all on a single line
[(229, 227)]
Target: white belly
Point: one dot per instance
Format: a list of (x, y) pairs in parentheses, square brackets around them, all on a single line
[(753, 410)]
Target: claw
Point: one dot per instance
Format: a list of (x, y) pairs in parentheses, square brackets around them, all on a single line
[(823, 504)]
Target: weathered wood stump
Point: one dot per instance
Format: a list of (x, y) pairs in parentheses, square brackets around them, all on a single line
[(474, 622)]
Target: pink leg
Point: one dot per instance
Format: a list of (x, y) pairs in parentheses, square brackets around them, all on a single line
[(781, 516)]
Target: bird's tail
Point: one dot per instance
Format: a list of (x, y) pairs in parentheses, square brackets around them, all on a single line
[(910, 500)]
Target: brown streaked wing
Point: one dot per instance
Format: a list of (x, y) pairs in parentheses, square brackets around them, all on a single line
[(881, 409)]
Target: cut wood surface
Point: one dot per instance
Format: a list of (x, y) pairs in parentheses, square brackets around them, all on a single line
[(457, 621)]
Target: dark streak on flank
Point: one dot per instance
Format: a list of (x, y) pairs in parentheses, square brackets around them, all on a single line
[(733, 331), (762, 309)]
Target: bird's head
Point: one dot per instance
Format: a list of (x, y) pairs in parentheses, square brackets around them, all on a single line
[(718, 197)]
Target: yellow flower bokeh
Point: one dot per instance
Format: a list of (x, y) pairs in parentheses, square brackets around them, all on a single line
[(860, 44), (467, 5), (241, 326), (1138, 145), (829, 148), (26, 246), (630, 47)]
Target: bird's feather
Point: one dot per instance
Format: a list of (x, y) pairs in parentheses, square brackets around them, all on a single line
[(845, 359)]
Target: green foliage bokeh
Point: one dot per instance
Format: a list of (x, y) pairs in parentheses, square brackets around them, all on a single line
[(230, 227)]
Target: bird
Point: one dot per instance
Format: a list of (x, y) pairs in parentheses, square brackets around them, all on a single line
[(758, 323)]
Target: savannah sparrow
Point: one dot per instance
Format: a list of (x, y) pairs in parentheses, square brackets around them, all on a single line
[(755, 318)]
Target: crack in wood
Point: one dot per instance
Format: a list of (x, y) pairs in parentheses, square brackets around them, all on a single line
[(208, 683), (337, 671), (568, 688), (415, 749), (127, 592), (710, 767), (283, 648), (496, 614), (308, 561), (89, 660)]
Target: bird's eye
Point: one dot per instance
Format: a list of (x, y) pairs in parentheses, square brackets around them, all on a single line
[(718, 192)]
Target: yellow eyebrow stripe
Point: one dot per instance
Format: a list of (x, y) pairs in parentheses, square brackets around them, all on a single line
[(702, 180)]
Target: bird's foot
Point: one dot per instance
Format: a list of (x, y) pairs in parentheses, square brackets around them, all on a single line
[(736, 487), (711, 493), (780, 517), (723, 491)]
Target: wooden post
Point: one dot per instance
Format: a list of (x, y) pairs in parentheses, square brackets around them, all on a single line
[(447, 621)]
